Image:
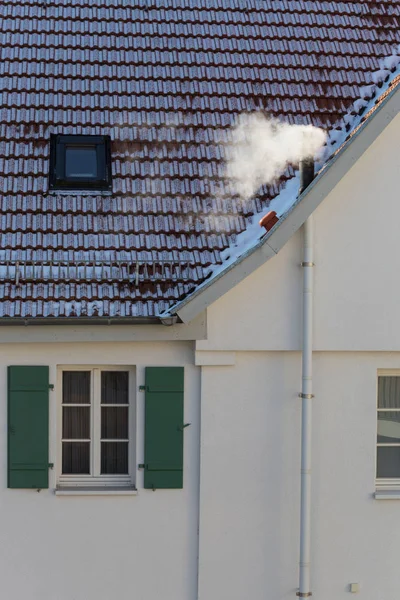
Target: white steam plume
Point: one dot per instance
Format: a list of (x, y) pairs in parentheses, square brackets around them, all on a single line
[(261, 148)]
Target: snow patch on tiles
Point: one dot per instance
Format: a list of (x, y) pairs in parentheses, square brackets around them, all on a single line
[(249, 238), (369, 96), (288, 196)]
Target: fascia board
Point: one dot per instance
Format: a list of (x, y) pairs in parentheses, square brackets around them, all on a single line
[(193, 331)]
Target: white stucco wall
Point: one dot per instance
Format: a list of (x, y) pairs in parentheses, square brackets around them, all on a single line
[(250, 483), (357, 249), (98, 548), (249, 478), (146, 546), (263, 312)]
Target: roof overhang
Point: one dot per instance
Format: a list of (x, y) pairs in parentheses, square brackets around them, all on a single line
[(270, 244), (167, 320)]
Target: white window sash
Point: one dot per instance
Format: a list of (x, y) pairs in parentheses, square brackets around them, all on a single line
[(383, 483), (96, 391), (96, 479)]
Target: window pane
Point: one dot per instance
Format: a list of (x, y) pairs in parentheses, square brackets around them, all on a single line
[(388, 462), (76, 422), (76, 458), (81, 161), (114, 457), (114, 423), (76, 387), (388, 427), (388, 392), (114, 387)]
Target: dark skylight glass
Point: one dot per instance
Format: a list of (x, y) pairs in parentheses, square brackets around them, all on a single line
[(81, 161)]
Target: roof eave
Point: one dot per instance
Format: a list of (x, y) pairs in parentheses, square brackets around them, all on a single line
[(73, 321), (270, 244)]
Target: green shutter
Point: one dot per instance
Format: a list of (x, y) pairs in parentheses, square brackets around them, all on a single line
[(164, 428), (28, 427)]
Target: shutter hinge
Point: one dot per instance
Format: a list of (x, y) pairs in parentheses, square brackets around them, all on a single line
[(51, 386), (51, 465), (141, 466), (142, 388), (182, 427)]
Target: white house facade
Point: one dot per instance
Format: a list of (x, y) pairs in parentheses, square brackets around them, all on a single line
[(173, 376)]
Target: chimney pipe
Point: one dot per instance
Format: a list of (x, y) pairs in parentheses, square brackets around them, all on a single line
[(306, 173), (269, 220)]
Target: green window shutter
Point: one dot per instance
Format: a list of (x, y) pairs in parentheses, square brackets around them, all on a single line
[(28, 427), (164, 427)]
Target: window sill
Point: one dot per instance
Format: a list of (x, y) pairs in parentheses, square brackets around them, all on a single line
[(86, 491), (387, 494)]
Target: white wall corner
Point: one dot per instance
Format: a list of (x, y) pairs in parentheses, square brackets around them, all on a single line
[(214, 358)]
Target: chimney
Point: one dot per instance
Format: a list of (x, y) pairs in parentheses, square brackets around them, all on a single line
[(306, 173)]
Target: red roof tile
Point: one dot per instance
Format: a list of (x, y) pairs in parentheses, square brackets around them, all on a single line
[(165, 80)]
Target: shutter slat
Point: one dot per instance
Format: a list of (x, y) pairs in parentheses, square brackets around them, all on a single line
[(164, 427), (28, 427)]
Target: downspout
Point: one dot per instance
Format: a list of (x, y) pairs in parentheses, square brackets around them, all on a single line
[(307, 174)]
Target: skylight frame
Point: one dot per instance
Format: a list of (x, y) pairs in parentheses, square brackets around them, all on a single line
[(58, 179)]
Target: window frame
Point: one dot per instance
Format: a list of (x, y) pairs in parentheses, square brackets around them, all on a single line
[(95, 479), (57, 177), (385, 483)]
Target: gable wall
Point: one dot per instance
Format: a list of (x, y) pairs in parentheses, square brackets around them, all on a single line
[(357, 258), (357, 252), (263, 312), (250, 479)]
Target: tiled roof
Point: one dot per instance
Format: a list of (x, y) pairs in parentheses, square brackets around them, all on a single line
[(164, 79)]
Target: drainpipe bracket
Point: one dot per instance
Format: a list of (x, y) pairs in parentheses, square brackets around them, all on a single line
[(308, 396), (303, 594), (307, 264)]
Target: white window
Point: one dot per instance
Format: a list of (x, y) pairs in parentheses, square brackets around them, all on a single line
[(388, 430), (96, 427)]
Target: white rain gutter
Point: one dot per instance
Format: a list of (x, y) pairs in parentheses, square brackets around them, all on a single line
[(306, 412), (25, 321)]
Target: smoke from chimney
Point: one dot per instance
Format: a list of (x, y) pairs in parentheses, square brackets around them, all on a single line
[(261, 148)]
